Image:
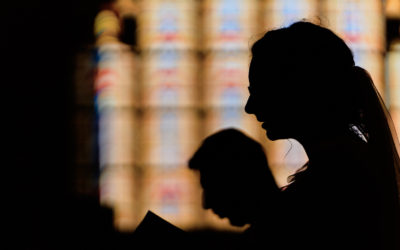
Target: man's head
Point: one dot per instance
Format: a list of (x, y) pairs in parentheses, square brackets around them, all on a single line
[(234, 175)]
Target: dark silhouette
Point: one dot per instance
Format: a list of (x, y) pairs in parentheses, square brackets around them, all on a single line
[(238, 184), (304, 85), (154, 232)]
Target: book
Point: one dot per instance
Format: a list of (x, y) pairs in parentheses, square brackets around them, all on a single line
[(154, 232), (154, 224)]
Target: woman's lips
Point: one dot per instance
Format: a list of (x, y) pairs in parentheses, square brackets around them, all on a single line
[(264, 126), (219, 213)]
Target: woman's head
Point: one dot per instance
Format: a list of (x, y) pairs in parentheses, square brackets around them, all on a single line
[(303, 82), (234, 175), (300, 80)]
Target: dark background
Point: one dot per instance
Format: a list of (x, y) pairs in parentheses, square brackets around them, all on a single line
[(38, 41)]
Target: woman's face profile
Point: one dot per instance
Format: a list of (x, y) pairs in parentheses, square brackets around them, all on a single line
[(269, 99)]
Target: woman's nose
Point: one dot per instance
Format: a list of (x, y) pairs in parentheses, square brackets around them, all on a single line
[(249, 106), (206, 203)]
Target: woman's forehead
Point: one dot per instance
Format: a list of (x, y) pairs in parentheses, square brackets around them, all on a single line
[(267, 64), (264, 72)]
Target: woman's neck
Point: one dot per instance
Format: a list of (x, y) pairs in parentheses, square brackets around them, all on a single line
[(317, 145)]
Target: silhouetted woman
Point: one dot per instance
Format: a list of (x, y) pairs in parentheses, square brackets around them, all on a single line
[(304, 85)]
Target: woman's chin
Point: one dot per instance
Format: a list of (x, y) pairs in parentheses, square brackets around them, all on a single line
[(272, 136), (237, 223)]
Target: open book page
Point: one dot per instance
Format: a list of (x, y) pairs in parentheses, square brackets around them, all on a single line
[(155, 232), (154, 224)]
